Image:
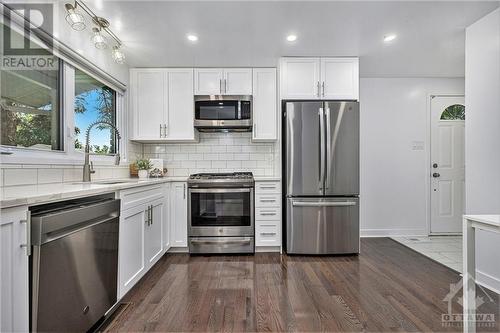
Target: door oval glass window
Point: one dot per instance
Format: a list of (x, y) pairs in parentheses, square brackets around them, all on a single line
[(454, 112)]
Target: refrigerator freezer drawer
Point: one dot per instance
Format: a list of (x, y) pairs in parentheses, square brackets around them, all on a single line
[(322, 225)]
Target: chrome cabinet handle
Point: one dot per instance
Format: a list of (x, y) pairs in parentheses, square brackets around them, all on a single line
[(220, 86), (225, 86), (268, 233), (161, 134), (268, 187), (267, 200), (323, 88), (165, 130), (28, 233), (184, 186), (317, 86), (152, 219), (267, 214)]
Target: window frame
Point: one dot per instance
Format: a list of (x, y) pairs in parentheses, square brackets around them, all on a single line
[(68, 155)]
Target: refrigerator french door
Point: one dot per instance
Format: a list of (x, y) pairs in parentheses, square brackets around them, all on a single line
[(321, 144)]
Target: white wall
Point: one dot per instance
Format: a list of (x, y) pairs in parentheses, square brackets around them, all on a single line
[(482, 137), (394, 177)]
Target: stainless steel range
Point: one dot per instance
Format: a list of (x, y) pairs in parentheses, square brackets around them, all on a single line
[(221, 213)]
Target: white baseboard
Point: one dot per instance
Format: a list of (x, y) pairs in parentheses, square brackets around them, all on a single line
[(178, 250), (392, 232), (488, 281)]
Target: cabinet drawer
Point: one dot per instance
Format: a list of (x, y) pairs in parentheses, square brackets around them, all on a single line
[(139, 195), (268, 200), (267, 213), (267, 233), (267, 187)]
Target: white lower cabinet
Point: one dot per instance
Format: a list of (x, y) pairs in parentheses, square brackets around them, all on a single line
[(131, 248), (14, 303), (267, 215), (142, 225), (178, 214)]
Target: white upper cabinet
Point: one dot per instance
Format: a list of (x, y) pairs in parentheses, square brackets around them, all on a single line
[(162, 104), (148, 103), (320, 78), (340, 78), (208, 81), (300, 78), (180, 104), (223, 81), (237, 81), (264, 104)]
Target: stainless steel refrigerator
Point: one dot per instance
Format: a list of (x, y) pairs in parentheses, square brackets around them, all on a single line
[(321, 169)]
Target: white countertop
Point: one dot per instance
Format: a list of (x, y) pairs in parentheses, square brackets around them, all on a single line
[(11, 196), (493, 220), (266, 178)]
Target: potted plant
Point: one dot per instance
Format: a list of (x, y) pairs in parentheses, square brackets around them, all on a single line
[(143, 165)]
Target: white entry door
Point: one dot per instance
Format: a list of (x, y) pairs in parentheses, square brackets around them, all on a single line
[(447, 164)]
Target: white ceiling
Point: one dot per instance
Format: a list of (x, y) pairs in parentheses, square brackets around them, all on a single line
[(430, 43)]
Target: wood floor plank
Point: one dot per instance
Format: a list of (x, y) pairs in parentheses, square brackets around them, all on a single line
[(387, 288)]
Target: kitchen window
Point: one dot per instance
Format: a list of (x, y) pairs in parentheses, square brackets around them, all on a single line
[(30, 108), (94, 101)]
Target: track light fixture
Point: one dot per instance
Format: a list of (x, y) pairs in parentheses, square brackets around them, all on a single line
[(77, 22)]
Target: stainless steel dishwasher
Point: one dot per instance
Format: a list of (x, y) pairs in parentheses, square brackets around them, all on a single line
[(74, 265)]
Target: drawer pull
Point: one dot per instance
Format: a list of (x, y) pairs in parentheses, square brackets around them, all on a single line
[(268, 233), (267, 200), (268, 187), (267, 214)]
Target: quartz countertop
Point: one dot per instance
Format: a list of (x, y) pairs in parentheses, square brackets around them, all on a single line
[(266, 178), (28, 195)]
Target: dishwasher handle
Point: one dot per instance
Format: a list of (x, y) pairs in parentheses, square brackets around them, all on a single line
[(57, 235)]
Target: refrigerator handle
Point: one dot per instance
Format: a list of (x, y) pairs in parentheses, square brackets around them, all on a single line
[(322, 148), (328, 147)]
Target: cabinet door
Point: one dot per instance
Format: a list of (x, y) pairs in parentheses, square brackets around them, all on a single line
[(166, 217), (14, 303), (153, 243), (148, 103), (340, 78), (208, 81), (264, 104), (300, 78), (237, 81), (179, 214), (180, 123), (131, 247)]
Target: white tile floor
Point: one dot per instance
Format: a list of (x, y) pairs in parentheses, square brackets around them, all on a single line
[(446, 250)]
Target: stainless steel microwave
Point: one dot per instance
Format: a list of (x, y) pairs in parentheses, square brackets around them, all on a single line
[(223, 113)]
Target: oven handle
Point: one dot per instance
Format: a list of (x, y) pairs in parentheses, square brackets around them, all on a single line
[(220, 190)]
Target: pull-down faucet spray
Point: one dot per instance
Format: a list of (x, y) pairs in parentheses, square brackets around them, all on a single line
[(88, 168)]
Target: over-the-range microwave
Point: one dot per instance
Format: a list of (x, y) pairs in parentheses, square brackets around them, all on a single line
[(220, 113)]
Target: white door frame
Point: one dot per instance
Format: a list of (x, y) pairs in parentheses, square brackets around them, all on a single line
[(428, 168)]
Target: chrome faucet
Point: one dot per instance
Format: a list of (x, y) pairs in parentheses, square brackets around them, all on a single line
[(88, 167)]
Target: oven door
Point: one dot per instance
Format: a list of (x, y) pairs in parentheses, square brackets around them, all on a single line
[(221, 212)]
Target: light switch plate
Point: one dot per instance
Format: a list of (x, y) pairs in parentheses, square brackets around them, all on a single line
[(417, 145)]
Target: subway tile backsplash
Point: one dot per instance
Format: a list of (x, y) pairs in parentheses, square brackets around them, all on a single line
[(216, 152)]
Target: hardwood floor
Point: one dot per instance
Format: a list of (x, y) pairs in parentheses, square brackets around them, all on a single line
[(387, 288)]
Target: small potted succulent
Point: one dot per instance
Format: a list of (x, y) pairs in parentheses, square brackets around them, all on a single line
[(143, 165)]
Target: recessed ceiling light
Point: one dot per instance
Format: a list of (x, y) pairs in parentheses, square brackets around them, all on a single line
[(389, 38), (192, 38), (291, 38)]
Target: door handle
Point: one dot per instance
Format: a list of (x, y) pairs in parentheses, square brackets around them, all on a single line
[(323, 88), (321, 148), (328, 148), (436, 175), (324, 204), (317, 86), (161, 133)]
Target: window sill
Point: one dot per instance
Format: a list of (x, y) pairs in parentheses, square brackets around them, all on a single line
[(25, 156)]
